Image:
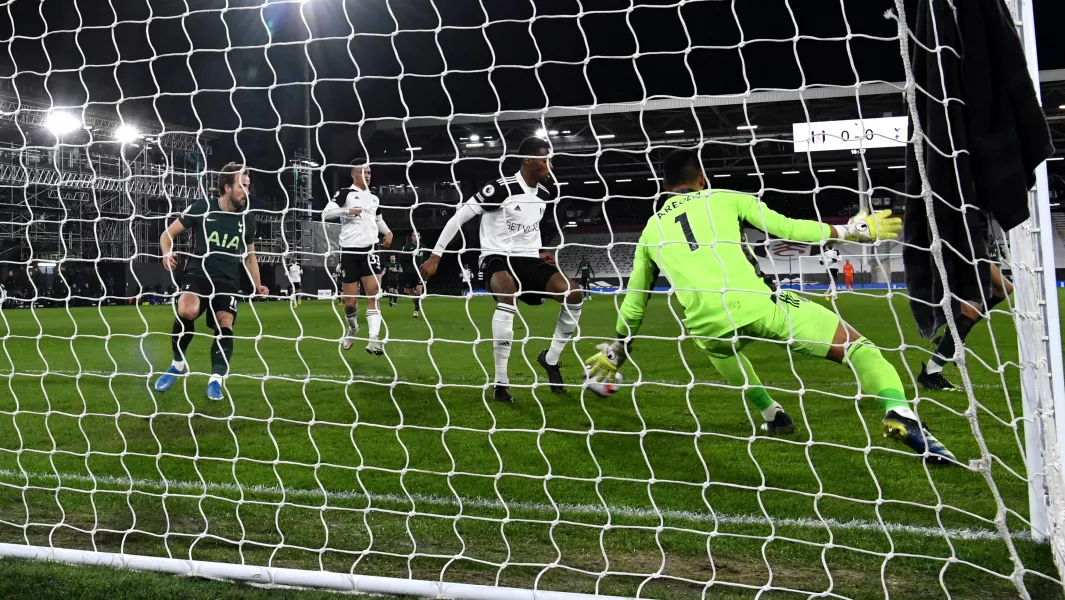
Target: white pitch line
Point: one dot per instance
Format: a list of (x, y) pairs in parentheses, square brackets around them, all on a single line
[(549, 509), (340, 378)]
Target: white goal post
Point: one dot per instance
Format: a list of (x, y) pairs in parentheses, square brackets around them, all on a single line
[(1040, 326), (399, 472)]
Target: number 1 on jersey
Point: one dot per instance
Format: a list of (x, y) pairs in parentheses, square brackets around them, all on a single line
[(686, 227)]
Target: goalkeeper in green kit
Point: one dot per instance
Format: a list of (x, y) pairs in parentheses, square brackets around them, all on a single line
[(695, 241)]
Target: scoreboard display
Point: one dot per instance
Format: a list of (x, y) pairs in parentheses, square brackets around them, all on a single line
[(853, 135)]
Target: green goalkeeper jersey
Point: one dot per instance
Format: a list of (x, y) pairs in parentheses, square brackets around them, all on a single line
[(696, 241)]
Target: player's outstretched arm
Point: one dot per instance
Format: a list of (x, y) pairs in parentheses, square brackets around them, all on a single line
[(468, 210), (605, 364), (862, 227)]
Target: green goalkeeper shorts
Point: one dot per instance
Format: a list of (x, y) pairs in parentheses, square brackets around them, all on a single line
[(808, 327)]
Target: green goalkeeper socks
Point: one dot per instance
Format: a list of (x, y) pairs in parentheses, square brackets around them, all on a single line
[(737, 370), (876, 374)]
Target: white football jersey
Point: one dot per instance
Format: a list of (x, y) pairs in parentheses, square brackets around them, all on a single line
[(294, 273), (358, 231), (511, 212)]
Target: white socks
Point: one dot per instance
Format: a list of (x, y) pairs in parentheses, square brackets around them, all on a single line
[(353, 322), (179, 365), (568, 315), (503, 338), (373, 320), (932, 367)]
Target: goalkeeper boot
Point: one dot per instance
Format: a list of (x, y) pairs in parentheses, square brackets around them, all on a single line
[(554, 373), (167, 379), (917, 436), (780, 425), (501, 393), (214, 389), (935, 381), (375, 348)]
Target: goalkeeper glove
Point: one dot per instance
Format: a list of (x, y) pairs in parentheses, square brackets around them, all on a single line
[(865, 227), (604, 365)]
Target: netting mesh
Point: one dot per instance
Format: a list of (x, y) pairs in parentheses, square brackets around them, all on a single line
[(118, 118)]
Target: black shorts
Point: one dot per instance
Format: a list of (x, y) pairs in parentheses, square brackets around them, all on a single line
[(411, 281), (220, 298), (531, 274), (297, 286), (356, 263), (392, 280)]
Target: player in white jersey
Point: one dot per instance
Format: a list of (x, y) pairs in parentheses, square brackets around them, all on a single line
[(361, 226), (514, 264), (295, 277)]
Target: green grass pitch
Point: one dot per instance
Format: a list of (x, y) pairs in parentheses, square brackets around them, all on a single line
[(401, 466)]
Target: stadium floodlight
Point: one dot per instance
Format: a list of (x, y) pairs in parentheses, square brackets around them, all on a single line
[(747, 127), (474, 137), (62, 122), (591, 182), (904, 166), (826, 170), (126, 134), (605, 136), (722, 175), (478, 145), (789, 172), (541, 133), (754, 174), (1062, 107), (623, 180), (565, 132), (413, 148), (674, 131)]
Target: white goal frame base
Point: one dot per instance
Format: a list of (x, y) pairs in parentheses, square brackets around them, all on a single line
[(275, 576)]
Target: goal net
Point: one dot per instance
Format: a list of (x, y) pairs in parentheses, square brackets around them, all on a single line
[(402, 473)]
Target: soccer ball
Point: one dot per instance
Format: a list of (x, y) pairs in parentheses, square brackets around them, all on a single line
[(603, 389)]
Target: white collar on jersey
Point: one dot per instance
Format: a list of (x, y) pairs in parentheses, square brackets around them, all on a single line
[(524, 186)]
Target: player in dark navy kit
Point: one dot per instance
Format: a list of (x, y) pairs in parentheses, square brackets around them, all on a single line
[(223, 248)]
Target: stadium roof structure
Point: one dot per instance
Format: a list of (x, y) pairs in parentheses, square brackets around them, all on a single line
[(748, 133), (29, 111)]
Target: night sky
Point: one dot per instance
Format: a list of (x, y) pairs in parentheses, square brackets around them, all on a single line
[(238, 74)]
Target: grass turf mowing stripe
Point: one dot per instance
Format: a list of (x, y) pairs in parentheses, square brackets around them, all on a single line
[(476, 381), (492, 503)]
